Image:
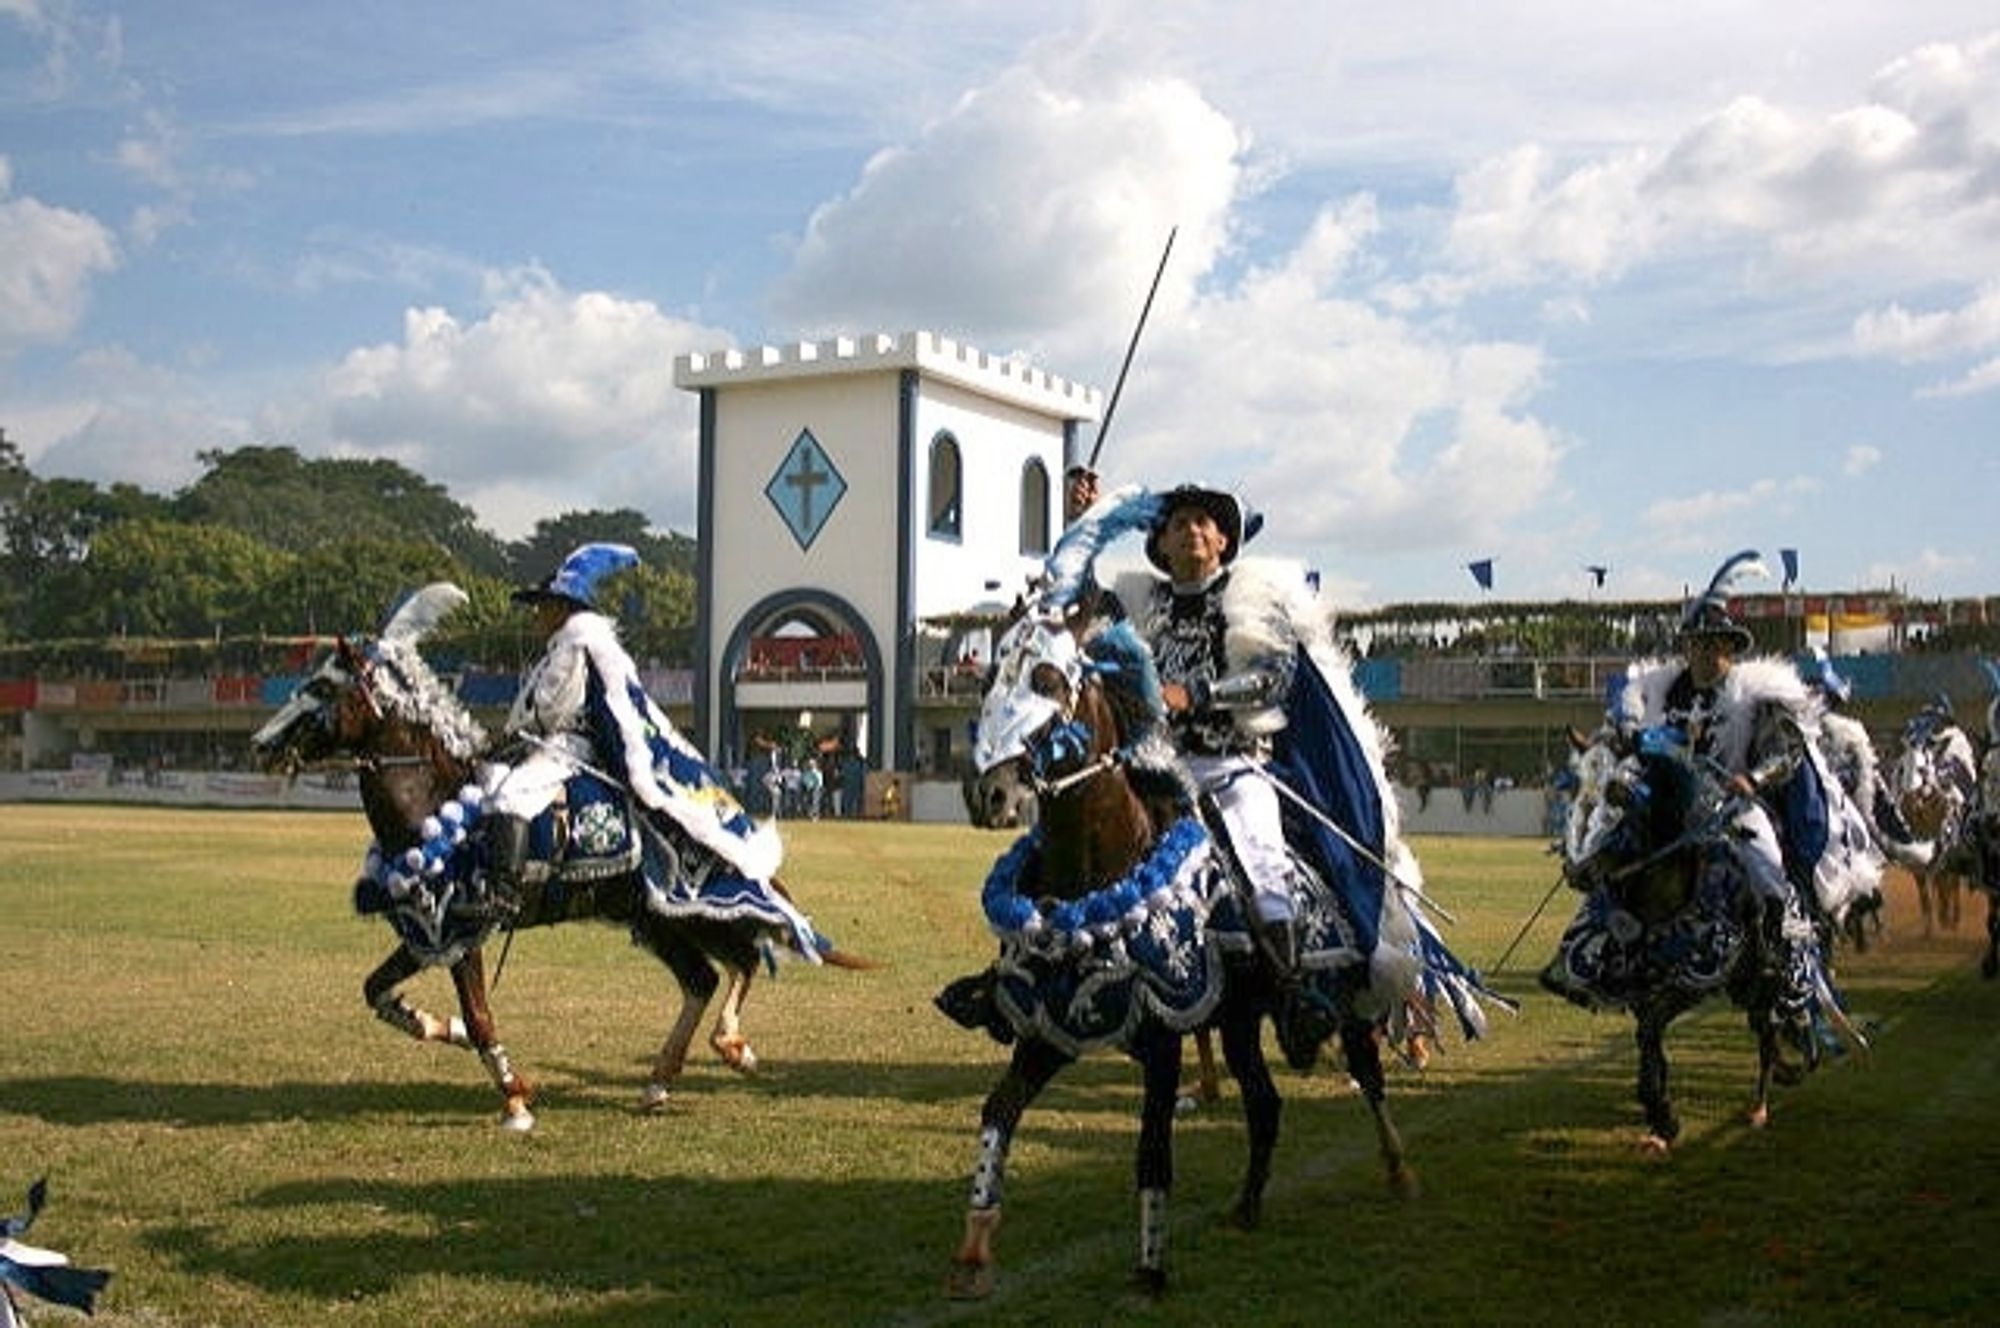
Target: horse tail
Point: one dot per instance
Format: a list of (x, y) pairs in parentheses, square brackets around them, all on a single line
[(832, 956), (836, 958)]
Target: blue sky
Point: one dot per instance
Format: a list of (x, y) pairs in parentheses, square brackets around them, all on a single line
[(1551, 283)]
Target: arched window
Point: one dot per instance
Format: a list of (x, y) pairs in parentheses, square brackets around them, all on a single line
[(947, 489), (1035, 508)]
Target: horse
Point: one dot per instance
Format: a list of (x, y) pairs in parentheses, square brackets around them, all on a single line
[(1120, 927), (416, 751), (1934, 782), (1983, 836), (1667, 921), (1003, 798)]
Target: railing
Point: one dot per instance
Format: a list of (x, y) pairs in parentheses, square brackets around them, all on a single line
[(957, 683), (1912, 677)]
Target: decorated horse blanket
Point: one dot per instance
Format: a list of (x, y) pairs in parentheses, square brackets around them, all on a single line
[(433, 894), (1084, 975), (1609, 959)]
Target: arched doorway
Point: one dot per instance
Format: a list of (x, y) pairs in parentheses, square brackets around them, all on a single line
[(801, 682)]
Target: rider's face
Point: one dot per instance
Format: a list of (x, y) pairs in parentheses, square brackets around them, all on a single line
[(1192, 543), (1709, 658), (1079, 492), (551, 613)]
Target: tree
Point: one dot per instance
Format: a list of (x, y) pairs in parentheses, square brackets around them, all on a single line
[(46, 528), (655, 610), (296, 504), (160, 578), (543, 550), (351, 585)]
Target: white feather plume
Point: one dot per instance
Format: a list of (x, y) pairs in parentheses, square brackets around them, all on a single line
[(422, 611), (1739, 567), (1120, 512)]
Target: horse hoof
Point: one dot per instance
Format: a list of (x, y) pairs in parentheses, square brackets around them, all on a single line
[(654, 1098), (1759, 1117), (735, 1051), (1654, 1146), (517, 1118), (1244, 1215), (1403, 1183), (1989, 966), (1148, 1283), (1186, 1104), (968, 1281)]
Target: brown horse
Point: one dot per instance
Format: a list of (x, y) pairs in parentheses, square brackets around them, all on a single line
[(415, 748), (1115, 924)]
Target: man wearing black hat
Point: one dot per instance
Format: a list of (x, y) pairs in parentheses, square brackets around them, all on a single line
[(1754, 719), (1226, 663)]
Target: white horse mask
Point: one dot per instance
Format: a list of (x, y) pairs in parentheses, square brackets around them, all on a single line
[(1014, 711)]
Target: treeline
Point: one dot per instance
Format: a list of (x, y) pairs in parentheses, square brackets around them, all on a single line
[(269, 543)]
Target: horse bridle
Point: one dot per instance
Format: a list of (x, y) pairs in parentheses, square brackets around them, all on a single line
[(359, 667)]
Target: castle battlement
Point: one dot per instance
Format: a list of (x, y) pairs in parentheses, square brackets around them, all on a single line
[(1009, 379)]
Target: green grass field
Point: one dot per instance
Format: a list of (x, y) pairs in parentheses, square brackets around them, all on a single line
[(184, 1052)]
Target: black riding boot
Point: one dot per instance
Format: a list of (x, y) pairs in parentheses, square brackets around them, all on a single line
[(969, 1002), (1299, 1031), (506, 839)]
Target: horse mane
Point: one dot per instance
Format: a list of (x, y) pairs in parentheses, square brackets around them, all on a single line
[(1130, 678), (1673, 785), (411, 690)]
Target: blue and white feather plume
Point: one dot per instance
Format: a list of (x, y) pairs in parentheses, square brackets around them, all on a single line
[(1118, 513), (45, 1274)]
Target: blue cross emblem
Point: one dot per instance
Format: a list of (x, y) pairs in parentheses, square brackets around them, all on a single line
[(805, 489)]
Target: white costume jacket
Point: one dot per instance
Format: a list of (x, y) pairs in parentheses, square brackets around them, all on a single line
[(585, 703)]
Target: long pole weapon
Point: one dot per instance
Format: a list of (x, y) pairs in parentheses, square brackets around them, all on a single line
[(1500, 964), (1104, 425)]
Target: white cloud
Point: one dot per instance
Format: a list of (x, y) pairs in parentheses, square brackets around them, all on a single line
[(1695, 520), (552, 400), (1982, 378), (1905, 180), (1860, 459), (1029, 209), (1920, 572), (1897, 333), (121, 419), (1033, 209), (48, 258)]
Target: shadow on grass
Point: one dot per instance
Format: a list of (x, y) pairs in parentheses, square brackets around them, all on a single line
[(684, 1250), (1106, 1084)]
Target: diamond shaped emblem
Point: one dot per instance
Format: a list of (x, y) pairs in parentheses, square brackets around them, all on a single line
[(806, 488)]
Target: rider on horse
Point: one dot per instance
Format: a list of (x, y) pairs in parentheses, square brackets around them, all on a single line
[(1752, 720), (583, 711), (1221, 704), (1227, 637)]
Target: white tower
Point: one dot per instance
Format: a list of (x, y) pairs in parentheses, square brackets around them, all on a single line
[(849, 489)]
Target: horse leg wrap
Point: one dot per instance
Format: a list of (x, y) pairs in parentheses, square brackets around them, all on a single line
[(400, 1015), (495, 1059), (1152, 1229), (989, 1173)]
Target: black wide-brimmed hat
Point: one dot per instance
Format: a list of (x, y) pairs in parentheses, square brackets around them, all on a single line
[(576, 580), (1707, 614), (1222, 507)]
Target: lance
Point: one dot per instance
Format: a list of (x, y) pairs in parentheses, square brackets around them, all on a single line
[(1104, 425)]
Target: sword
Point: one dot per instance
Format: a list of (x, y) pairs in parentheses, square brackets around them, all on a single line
[(1104, 425)]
